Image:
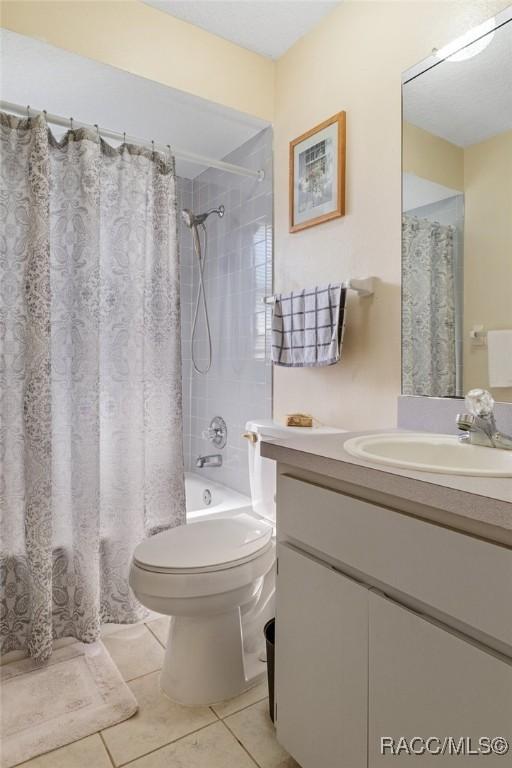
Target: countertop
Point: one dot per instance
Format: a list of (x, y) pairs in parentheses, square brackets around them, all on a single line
[(477, 505)]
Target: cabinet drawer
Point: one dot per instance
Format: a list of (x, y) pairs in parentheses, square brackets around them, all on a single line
[(463, 577)]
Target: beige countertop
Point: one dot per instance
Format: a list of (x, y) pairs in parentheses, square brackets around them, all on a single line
[(478, 505)]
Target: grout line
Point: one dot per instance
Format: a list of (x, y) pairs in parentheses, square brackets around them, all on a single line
[(106, 748), (154, 634), (239, 742), (145, 674), (246, 706), (56, 749), (167, 744)]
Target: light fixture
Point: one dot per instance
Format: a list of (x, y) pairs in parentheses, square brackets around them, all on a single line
[(469, 44)]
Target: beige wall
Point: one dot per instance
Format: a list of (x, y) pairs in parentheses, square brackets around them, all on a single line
[(487, 250), (152, 44), (353, 61), (432, 158)]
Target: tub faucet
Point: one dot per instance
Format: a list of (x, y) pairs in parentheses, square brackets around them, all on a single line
[(479, 423), (214, 460)]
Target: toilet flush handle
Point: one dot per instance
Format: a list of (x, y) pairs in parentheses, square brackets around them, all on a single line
[(251, 436)]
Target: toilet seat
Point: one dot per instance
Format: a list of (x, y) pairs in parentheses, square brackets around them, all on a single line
[(204, 547)]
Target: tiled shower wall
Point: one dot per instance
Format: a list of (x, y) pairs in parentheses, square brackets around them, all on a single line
[(237, 276), (184, 200)]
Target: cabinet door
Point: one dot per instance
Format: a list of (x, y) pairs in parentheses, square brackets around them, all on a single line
[(321, 663), (425, 681)]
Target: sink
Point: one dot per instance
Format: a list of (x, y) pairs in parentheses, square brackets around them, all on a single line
[(431, 453)]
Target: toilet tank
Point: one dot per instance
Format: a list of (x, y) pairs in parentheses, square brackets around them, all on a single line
[(262, 471)]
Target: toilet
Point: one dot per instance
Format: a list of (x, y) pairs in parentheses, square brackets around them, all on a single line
[(216, 579)]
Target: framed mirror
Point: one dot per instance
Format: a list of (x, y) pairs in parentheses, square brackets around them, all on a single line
[(457, 217)]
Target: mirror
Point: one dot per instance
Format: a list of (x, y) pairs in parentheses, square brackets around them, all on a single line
[(457, 217)]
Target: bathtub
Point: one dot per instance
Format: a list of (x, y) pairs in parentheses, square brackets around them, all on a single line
[(207, 500)]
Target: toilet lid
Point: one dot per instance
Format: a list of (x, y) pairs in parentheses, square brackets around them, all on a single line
[(204, 546)]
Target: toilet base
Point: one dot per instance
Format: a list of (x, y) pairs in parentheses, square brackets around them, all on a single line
[(205, 662)]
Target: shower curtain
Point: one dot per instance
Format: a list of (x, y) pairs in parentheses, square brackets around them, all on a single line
[(428, 308), (90, 374)]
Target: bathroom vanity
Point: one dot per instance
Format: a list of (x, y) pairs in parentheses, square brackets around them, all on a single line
[(394, 607)]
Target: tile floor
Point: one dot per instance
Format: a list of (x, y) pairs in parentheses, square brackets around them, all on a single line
[(234, 734)]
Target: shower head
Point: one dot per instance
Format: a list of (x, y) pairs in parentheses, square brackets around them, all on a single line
[(193, 220)]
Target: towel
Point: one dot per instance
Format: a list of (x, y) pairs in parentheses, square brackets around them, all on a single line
[(499, 345), (307, 327)]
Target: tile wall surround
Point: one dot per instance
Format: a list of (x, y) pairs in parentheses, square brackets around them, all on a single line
[(437, 414), (237, 276), (184, 200)]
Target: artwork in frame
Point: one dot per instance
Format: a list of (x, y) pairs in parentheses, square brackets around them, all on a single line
[(317, 174)]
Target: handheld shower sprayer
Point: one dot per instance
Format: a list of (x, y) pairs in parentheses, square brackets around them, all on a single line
[(194, 222)]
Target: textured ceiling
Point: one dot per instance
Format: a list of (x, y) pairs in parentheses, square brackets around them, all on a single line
[(268, 27), (465, 102), (63, 83)]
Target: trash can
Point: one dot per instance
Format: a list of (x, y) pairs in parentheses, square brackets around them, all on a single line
[(270, 639)]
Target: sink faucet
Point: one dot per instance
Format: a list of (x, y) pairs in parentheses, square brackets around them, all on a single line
[(479, 424), (214, 460)]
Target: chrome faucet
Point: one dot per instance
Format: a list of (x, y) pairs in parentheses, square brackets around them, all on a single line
[(214, 460), (479, 423)]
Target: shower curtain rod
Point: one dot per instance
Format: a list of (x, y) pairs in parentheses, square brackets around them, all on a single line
[(69, 122)]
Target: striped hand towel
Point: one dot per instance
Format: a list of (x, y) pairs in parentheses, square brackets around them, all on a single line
[(307, 327)]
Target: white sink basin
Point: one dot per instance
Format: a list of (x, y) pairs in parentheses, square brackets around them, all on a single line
[(431, 453)]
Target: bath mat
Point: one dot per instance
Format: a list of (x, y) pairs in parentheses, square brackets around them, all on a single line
[(77, 692)]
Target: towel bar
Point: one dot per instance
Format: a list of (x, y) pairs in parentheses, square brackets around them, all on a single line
[(364, 287)]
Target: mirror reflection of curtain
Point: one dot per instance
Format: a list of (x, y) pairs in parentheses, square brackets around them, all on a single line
[(90, 375), (428, 308)]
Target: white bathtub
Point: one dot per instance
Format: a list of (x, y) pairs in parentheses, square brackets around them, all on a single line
[(223, 501)]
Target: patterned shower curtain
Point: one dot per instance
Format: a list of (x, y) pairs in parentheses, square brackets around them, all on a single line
[(90, 374), (428, 308)]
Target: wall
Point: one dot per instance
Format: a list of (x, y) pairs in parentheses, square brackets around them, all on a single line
[(142, 40), (353, 60), (432, 158), (487, 250), (184, 199), (238, 275)]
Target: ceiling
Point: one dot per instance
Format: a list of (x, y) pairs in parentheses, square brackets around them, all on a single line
[(65, 84), (267, 27), (468, 101)]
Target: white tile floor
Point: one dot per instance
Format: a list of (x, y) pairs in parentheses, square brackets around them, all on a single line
[(234, 734)]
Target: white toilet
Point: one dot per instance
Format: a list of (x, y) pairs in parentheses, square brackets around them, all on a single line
[(216, 580)]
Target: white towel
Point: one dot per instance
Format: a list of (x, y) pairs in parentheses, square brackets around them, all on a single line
[(499, 358), (307, 327)]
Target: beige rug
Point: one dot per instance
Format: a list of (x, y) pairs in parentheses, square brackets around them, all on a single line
[(78, 692)]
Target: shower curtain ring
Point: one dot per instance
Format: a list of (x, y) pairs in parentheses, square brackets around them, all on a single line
[(28, 111), (153, 148), (124, 137), (97, 130), (71, 123)]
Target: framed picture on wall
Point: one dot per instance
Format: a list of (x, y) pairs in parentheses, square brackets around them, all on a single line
[(317, 174)]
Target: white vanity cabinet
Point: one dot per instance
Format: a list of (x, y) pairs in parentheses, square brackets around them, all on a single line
[(387, 626)]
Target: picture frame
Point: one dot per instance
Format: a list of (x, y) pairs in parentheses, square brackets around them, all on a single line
[(317, 174)]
